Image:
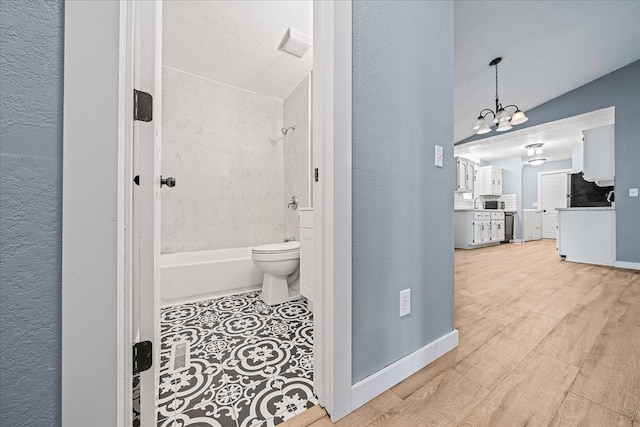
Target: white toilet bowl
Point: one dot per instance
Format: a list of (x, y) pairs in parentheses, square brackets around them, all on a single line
[(277, 261)]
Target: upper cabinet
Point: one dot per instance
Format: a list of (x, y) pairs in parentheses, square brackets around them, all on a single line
[(488, 181), (465, 173), (599, 155)]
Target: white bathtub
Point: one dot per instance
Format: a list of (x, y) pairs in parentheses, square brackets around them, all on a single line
[(190, 276)]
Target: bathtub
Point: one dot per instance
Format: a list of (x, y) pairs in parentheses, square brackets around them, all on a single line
[(190, 276)]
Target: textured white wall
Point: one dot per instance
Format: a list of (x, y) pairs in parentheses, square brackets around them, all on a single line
[(296, 155), (225, 149)]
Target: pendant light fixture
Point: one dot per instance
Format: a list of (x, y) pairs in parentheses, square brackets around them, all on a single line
[(501, 117)]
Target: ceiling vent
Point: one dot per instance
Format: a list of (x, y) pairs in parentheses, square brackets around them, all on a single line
[(295, 42)]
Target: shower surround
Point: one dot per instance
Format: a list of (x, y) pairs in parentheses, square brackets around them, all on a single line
[(225, 149)]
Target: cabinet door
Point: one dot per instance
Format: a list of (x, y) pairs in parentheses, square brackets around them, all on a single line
[(496, 181), (500, 234), (470, 176), (478, 230), (599, 153), (307, 273), (460, 168), (486, 231)]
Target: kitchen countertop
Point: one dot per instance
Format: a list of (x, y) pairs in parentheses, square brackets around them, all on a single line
[(597, 208), (483, 210)]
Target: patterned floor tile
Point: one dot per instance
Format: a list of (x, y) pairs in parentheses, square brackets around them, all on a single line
[(251, 364)]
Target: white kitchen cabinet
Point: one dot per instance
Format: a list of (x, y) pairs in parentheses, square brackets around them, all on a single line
[(307, 252), (532, 219), (599, 155), (488, 181), (587, 235), (477, 228), (497, 226), (465, 174)]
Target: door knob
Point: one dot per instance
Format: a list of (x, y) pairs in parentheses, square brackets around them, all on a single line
[(169, 182)]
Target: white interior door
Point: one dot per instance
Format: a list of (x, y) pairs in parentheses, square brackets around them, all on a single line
[(553, 194)]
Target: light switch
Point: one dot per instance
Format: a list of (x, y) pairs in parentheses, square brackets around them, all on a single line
[(439, 156), (633, 192)]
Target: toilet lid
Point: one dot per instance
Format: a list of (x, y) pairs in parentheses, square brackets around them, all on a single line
[(277, 247)]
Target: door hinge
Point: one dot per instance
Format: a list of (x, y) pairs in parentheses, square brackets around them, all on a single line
[(316, 174), (142, 106), (142, 356)]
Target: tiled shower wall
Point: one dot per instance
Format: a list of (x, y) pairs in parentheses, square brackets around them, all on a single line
[(296, 155), (235, 171), (225, 149)]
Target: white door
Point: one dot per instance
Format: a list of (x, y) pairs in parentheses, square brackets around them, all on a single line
[(553, 194)]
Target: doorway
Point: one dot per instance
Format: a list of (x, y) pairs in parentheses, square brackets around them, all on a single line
[(332, 97), (236, 139), (552, 194)]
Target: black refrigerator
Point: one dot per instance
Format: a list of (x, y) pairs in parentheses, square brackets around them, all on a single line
[(587, 194)]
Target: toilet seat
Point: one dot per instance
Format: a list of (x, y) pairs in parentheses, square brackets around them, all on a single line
[(277, 248), (276, 252)]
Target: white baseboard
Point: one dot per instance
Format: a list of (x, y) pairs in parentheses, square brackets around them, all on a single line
[(376, 384), (627, 264)]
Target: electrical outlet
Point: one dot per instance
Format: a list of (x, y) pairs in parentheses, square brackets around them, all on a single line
[(405, 302), (633, 192)]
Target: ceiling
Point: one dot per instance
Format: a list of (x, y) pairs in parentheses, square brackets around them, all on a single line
[(559, 138), (547, 47), (236, 42)]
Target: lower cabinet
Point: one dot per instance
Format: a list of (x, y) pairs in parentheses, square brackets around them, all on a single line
[(478, 228), (587, 235), (307, 253), (532, 224)]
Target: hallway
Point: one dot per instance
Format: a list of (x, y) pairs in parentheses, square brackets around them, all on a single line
[(542, 342)]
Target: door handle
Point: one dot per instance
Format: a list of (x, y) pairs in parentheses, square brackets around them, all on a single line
[(169, 182)]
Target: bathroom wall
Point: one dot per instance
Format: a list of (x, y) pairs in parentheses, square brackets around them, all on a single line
[(296, 149), (225, 149)]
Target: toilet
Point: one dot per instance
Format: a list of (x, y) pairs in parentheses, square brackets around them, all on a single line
[(278, 262)]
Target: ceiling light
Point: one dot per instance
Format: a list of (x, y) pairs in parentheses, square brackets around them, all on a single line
[(537, 162), (501, 117), (533, 149), (295, 42)]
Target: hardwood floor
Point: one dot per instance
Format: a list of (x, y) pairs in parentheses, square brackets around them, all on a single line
[(542, 342)]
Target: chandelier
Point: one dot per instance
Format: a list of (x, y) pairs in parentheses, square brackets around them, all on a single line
[(501, 117)]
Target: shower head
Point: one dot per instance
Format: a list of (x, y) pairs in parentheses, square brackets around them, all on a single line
[(286, 130)]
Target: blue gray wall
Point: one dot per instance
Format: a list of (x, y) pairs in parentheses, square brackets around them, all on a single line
[(402, 204), (621, 89), (31, 54), (530, 180)]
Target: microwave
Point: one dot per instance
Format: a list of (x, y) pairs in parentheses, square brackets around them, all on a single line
[(493, 204)]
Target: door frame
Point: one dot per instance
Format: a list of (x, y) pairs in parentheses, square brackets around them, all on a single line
[(332, 147), (540, 174), (106, 23)]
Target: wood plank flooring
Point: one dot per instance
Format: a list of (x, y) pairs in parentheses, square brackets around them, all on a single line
[(542, 342)]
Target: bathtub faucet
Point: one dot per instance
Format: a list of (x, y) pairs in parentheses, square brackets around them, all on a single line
[(290, 239)]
